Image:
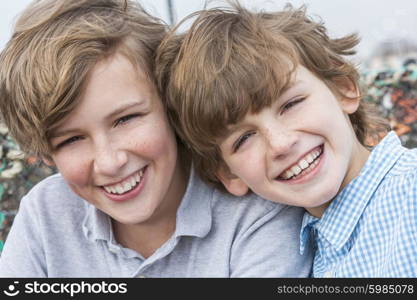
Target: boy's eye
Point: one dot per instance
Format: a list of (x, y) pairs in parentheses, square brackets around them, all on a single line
[(125, 119), (241, 140), (290, 104), (69, 141)]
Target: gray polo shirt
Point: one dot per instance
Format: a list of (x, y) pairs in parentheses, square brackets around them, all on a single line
[(58, 234)]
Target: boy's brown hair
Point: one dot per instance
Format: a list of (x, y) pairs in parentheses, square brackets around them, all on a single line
[(233, 61), (55, 45)]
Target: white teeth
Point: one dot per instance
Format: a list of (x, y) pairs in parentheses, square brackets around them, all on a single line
[(296, 169), (132, 181), (309, 158), (126, 185), (304, 163), (119, 189), (287, 174)]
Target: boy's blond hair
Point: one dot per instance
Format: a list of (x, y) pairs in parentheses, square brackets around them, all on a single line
[(55, 45), (233, 61)]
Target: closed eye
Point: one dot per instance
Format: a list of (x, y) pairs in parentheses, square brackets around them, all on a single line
[(126, 119), (290, 104), (241, 140), (69, 141)]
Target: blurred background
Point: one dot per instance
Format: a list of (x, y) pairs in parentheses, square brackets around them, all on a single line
[(378, 22), (386, 58)]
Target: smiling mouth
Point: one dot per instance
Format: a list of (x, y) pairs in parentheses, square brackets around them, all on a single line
[(127, 184), (304, 166)]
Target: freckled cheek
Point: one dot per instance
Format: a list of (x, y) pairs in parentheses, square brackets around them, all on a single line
[(157, 141), (249, 167), (74, 169)]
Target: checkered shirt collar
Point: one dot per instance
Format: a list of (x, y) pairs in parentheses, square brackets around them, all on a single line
[(340, 218)]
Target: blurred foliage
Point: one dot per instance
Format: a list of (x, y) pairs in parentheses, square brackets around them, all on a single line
[(18, 174), (394, 91)]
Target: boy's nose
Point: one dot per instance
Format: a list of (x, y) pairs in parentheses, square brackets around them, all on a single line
[(280, 143), (108, 160)]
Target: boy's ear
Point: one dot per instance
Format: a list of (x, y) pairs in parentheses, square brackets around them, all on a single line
[(231, 182), (350, 96)]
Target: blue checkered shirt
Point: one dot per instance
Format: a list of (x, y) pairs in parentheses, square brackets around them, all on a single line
[(370, 227)]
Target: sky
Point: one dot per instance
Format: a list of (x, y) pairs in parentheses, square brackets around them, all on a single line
[(375, 20)]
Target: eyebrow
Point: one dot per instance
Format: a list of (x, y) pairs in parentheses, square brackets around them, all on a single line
[(121, 109), (125, 107), (231, 129)]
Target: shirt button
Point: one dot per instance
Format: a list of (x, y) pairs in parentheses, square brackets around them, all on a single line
[(328, 274)]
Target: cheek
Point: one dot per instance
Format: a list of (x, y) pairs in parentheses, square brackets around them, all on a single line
[(249, 166), (155, 141), (73, 168)]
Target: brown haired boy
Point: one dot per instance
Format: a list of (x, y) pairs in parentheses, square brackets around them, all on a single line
[(268, 104)]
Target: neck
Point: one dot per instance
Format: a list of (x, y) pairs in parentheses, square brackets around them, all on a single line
[(144, 238), (317, 211), (358, 160), (148, 236)]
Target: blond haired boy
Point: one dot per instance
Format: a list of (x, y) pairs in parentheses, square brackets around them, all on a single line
[(77, 89), (268, 103)]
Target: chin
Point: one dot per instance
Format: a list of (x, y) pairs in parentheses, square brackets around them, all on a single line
[(129, 221), (127, 218)]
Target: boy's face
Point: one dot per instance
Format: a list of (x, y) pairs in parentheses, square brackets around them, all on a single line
[(117, 150), (300, 151)]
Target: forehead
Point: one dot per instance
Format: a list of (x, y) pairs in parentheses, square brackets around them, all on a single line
[(118, 78), (300, 81), (113, 84)]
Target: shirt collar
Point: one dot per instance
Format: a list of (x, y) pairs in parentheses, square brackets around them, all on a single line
[(97, 224), (194, 216), (340, 218), (307, 224)]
